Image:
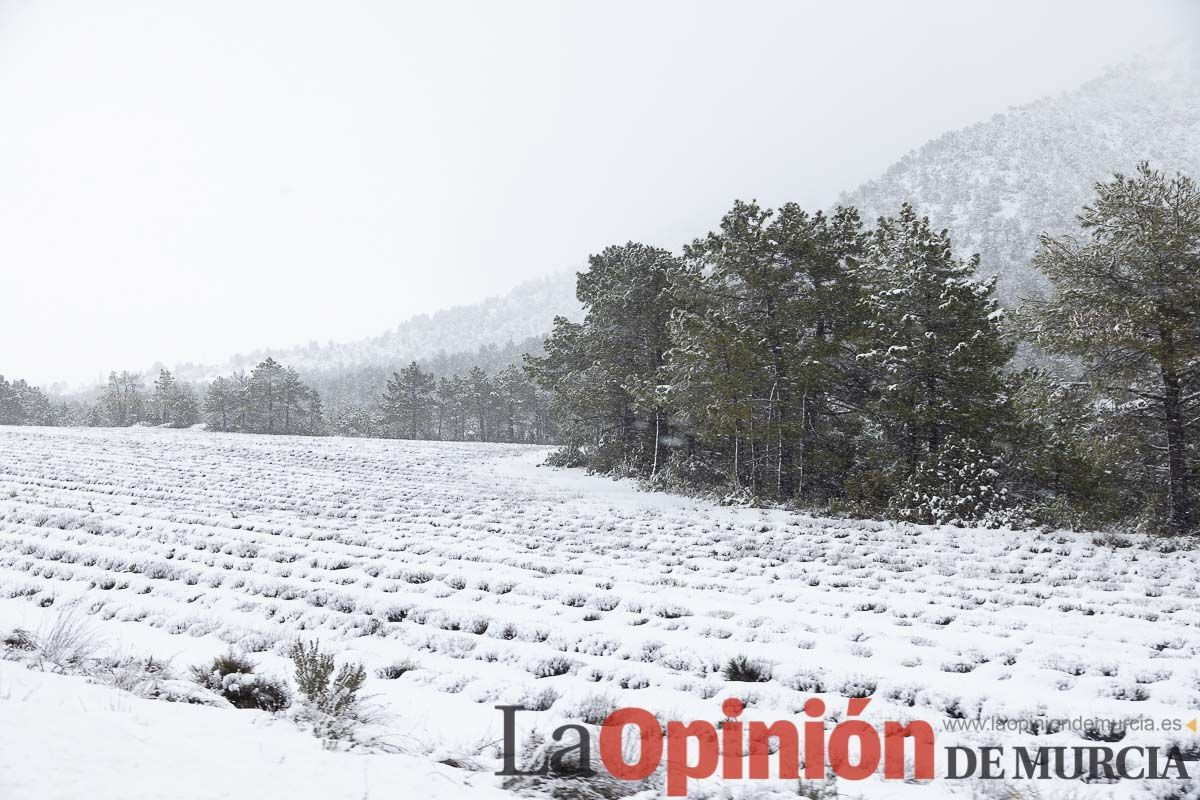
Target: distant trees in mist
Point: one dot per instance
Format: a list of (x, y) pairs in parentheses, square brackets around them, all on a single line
[(272, 399), (22, 404), (476, 406), (411, 403)]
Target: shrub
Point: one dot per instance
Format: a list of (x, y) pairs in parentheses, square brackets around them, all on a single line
[(233, 677), (595, 708), (334, 695), (540, 700), (958, 485), (396, 669), (807, 680), (552, 667), (133, 674), (740, 668), (857, 686), (19, 641), (568, 781), (571, 456), (255, 691), (1124, 691), (867, 493)]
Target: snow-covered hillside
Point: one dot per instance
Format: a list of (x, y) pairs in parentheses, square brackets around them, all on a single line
[(497, 581), (525, 312), (998, 185)]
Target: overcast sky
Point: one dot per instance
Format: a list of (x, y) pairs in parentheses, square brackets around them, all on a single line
[(182, 181)]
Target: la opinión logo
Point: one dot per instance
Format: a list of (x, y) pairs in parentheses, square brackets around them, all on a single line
[(736, 749), (852, 750)]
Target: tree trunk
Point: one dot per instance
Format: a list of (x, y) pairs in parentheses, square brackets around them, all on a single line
[(654, 468), (1179, 490)]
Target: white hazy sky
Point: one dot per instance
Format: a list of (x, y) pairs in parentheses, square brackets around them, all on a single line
[(182, 181)]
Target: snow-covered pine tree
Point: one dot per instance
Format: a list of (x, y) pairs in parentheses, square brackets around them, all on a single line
[(265, 381), (219, 404), (164, 391), (605, 372), (292, 392), (23, 404), (1127, 302), (935, 348), (761, 356), (407, 402), (480, 400)]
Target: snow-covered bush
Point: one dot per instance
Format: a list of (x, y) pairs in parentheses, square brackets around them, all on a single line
[(233, 677), (133, 674), (552, 667), (959, 485), (810, 681), (595, 708), (741, 668), (397, 669), (568, 781), (857, 686), (18, 641), (333, 694)]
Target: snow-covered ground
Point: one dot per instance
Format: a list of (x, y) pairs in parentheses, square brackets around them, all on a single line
[(509, 583)]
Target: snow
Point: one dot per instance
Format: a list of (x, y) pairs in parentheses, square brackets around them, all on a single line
[(483, 567), (63, 738)]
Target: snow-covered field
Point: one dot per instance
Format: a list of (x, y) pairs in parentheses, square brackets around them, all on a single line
[(504, 582)]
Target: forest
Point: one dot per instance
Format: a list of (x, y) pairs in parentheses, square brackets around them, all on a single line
[(811, 360)]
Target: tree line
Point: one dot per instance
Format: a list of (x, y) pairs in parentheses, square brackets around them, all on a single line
[(22, 404), (812, 360), (411, 403), (418, 404)]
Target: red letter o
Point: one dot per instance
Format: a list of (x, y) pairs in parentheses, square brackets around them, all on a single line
[(612, 743)]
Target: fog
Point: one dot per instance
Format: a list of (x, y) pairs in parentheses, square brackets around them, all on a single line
[(179, 182)]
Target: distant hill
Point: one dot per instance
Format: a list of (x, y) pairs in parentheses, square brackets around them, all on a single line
[(996, 186), (527, 312)]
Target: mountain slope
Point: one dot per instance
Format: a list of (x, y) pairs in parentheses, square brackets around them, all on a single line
[(997, 185), (525, 312)]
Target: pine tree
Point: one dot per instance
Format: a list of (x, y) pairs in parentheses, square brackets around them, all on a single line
[(767, 335), (266, 380), (1064, 457), (8, 404), (447, 408), (1127, 303), (313, 411), (407, 401), (480, 399), (292, 396), (514, 395), (935, 349), (122, 398), (23, 404), (605, 373), (219, 404), (164, 395), (184, 406)]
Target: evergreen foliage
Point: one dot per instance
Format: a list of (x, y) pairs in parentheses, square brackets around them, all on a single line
[(800, 358), (1126, 303)]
